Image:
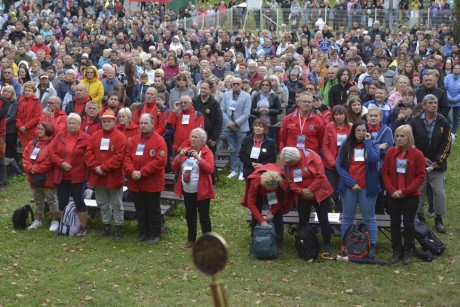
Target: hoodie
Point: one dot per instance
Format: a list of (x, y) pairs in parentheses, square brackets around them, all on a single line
[(94, 86)]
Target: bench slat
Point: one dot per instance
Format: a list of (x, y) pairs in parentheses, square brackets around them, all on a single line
[(127, 206)]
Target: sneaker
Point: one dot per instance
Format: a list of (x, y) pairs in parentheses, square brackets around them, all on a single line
[(233, 174), (240, 177), (372, 252), (431, 214), (187, 245), (396, 256), (83, 232), (35, 224), (54, 226), (153, 240)]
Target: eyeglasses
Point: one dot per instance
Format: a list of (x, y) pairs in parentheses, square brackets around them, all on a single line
[(265, 84), (236, 83), (370, 66)]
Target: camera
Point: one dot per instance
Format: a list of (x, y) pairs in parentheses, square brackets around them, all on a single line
[(188, 154)]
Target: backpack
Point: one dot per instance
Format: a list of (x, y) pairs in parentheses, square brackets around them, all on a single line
[(70, 222), (20, 217), (307, 243), (264, 244), (356, 242), (428, 240)]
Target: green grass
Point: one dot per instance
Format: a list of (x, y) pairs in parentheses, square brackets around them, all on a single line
[(38, 268)]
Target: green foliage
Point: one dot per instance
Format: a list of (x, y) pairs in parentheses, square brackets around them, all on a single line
[(38, 268), (456, 24)]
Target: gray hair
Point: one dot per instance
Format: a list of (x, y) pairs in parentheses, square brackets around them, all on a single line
[(125, 111), (152, 120), (289, 154), (201, 134), (74, 116), (429, 97)]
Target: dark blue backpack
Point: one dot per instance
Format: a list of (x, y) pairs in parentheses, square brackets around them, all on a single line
[(264, 244)]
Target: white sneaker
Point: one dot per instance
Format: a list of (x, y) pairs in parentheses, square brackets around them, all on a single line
[(35, 224), (233, 174), (54, 226), (241, 176)]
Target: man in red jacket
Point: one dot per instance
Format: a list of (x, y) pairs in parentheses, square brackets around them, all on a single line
[(104, 156), (55, 115), (151, 107), (145, 162), (90, 122)]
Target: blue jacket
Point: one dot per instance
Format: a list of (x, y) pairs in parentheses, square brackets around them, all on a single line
[(386, 111), (139, 92), (372, 157), (384, 135), (452, 83)]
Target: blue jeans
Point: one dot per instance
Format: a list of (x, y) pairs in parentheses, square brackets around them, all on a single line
[(234, 140), (350, 202), (455, 118)]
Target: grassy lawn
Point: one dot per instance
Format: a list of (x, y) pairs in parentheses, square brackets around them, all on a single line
[(38, 268)]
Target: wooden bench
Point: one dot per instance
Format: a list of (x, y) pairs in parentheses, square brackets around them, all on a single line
[(170, 198), (169, 179), (223, 154), (127, 206), (221, 164)]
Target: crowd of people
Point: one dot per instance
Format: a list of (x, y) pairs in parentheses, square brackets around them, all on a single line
[(95, 95)]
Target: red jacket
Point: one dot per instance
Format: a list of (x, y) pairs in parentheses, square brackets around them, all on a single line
[(59, 120), (159, 116), (182, 131), (130, 131), (105, 107), (415, 171), (110, 161), (90, 127), (254, 192), (29, 113), (77, 159), (152, 163), (206, 165), (41, 165), (313, 176), (313, 130), (330, 147)]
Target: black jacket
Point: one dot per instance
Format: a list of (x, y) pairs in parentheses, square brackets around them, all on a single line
[(274, 107), (439, 149), (11, 116), (338, 94), (267, 153), (212, 116), (443, 101)]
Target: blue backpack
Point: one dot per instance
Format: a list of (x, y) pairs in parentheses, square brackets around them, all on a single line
[(264, 244)]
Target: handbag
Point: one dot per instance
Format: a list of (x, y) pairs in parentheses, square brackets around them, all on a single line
[(38, 180)]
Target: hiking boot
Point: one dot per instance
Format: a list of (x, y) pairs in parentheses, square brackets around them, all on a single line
[(439, 225), (188, 245), (106, 230), (54, 226), (35, 224), (153, 240), (396, 256), (421, 218), (118, 233), (406, 259), (83, 232), (372, 252)]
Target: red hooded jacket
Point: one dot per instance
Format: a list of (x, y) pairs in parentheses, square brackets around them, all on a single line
[(130, 131), (159, 116), (182, 131), (29, 113), (59, 121), (42, 164), (330, 147)]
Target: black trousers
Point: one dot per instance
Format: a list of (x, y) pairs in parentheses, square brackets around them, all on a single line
[(407, 207), (11, 142), (304, 209), (333, 178), (148, 212), (192, 205), (66, 189)]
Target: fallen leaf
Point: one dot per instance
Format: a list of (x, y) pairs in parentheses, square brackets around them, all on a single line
[(396, 271), (19, 295), (402, 301), (258, 302), (349, 291), (46, 302), (88, 298)]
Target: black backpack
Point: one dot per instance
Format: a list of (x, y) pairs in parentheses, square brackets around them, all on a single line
[(428, 240), (357, 242), (307, 243), (20, 217)]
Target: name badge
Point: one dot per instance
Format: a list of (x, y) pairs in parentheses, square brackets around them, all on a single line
[(140, 149), (34, 154), (255, 152), (359, 155), (232, 108), (188, 164), (104, 144), (374, 135), (185, 119), (341, 138), (271, 198), (301, 141), (401, 165), (297, 175)]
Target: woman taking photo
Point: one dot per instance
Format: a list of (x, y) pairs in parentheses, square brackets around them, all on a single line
[(67, 152), (266, 105), (28, 116), (195, 165), (403, 173), (126, 125), (257, 149), (311, 187), (359, 182), (37, 163), (335, 134)]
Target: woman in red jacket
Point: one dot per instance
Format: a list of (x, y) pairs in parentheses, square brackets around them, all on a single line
[(145, 162), (195, 165), (335, 133), (67, 152), (126, 125), (306, 171), (403, 173), (36, 161), (28, 116)]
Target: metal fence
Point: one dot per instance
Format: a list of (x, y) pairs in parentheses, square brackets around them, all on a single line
[(257, 19)]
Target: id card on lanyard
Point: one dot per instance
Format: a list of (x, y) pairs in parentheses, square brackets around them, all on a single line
[(188, 164), (298, 175), (185, 119), (341, 138), (34, 154), (271, 198), (301, 139), (104, 144), (140, 149), (359, 155), (401, 165)]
